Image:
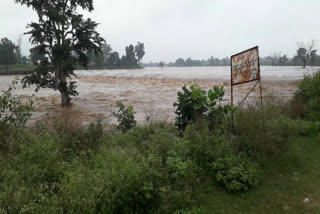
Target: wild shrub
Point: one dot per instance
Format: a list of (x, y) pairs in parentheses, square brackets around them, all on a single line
[(31, 175), (265, 132), (308, 127), (194, 103), (12, 111), (236, 172), (125, 116), (108, 184), (205, 146), (13, 114), (309, 95), (75, 140)]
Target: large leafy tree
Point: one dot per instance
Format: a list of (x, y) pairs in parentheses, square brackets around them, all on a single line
[(130, 58), (64, 37), (114, 59), (139, 51), (7, 52)]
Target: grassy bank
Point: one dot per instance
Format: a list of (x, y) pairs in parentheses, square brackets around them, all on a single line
[(16, 69), (26, 69), (289, 179)]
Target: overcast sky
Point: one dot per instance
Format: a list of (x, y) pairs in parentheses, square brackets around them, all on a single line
[(190, 28)]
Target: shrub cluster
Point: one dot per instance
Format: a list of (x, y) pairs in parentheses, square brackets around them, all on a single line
[(306, 102)]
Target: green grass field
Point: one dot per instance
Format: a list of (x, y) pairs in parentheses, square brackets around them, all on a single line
[(17, 68), (292, 177)]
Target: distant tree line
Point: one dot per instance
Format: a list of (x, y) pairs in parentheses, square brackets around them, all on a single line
[(10, 54), (111, 59), (306, 55)]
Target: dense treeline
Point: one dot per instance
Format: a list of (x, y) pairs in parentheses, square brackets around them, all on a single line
[(10, 54), (306, 55), (111, 59)]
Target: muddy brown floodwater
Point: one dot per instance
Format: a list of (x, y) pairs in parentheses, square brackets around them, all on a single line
[(152, 91)]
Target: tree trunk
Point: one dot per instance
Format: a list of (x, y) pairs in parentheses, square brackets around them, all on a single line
[(65, 99), (304, 64), (62, 86), (6, 67)]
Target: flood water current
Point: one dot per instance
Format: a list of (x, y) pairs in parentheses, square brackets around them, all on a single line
[(152, 91)]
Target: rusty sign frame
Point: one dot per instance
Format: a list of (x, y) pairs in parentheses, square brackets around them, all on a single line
[(257, 79)]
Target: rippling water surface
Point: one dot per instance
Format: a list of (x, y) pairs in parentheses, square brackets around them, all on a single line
[(152, 91)]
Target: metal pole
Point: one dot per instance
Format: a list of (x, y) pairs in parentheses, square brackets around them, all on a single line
[(232, 97), (260, 80), (261, 95)]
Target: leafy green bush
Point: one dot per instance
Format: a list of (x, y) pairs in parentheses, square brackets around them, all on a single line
[(125, 116), (31, 175), (205, 147), (309, 95), (74, 140), (12, 111), (109, 184), (194, 103), (308, 127), (236, 173), (13, 114)]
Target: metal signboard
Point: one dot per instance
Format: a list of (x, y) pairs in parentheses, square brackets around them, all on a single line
[(245, 66)]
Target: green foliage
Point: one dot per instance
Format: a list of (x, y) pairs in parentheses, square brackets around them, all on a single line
[(31, 175), (7, 52), (139, 51), (194, 103), (13, 115), (63, 36), (125, 116), (205, 146), (308, 127), (263, 133), (130, 57), (309, 96), (237, 173), (12, 111), (61, 167)]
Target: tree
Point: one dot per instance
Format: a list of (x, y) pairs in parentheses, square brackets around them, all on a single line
[(304, 52), (180, 62), (139, 51), (113, 59), (24, 60), (283, 60), (106, 50), (64, 37), (130, 58), (161, 64), (7, 52), (99, 60), (313, 56)]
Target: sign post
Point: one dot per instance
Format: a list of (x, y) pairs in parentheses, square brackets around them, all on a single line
[(245, 68)]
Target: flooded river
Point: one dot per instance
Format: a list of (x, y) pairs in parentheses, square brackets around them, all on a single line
[(152, 91)]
